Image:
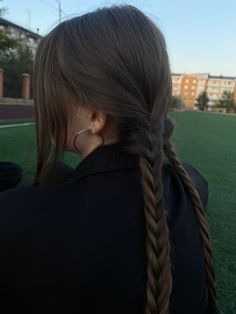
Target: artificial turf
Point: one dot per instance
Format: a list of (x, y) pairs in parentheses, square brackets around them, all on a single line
[(208, 142)]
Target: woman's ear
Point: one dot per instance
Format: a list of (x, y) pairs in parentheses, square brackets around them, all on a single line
[(97, 121)]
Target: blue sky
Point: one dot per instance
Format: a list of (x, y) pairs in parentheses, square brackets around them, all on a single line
[(201, 35)]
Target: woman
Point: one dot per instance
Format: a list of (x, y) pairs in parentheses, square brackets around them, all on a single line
[(126, 231)]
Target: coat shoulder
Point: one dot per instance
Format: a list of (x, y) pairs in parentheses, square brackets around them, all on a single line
[(27, 203)]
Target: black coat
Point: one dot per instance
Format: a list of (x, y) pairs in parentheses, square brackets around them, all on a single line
[(10, 175), (79, 247)]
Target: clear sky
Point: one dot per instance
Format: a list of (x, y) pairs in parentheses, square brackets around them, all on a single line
[(201, 35)]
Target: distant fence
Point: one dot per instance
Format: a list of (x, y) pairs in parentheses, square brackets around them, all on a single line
[(25, 86), (16, 111), (16, 108)]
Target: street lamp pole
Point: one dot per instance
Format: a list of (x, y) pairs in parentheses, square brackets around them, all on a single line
[(59, 9)]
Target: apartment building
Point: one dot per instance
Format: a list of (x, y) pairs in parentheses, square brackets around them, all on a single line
[(29, 38), (188, 90), (202, 80), (177, 84), (189, 86), (217, 85)]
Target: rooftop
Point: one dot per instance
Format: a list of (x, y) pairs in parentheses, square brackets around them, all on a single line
[(9, 23), (221, 77)]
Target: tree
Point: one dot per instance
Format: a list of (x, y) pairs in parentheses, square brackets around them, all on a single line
[(202, 101), (15, 59), (226, 101), (2, 10), (176, 103), (6, 42), (14, 63)]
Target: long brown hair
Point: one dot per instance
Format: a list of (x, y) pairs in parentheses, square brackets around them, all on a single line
[(115, 60)]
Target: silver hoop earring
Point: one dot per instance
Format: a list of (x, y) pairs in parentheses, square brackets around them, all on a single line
[(77, 134)]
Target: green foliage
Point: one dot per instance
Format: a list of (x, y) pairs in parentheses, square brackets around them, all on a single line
[(202, 101), (2, 10), (7, 42), (227, 102), (14, 63), (15, 58), (176, 102)]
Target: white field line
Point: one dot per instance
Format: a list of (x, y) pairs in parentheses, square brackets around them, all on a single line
[(16, 125)]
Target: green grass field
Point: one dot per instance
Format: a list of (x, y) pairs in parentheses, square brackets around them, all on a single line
[(206, 140)]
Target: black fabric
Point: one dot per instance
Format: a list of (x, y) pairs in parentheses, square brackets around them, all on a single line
[(10, 175), (79, 247)]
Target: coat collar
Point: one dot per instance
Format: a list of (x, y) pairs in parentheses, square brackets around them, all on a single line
[(106, 158)]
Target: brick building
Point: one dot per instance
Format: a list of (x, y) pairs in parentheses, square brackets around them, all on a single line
[(189, 86)]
